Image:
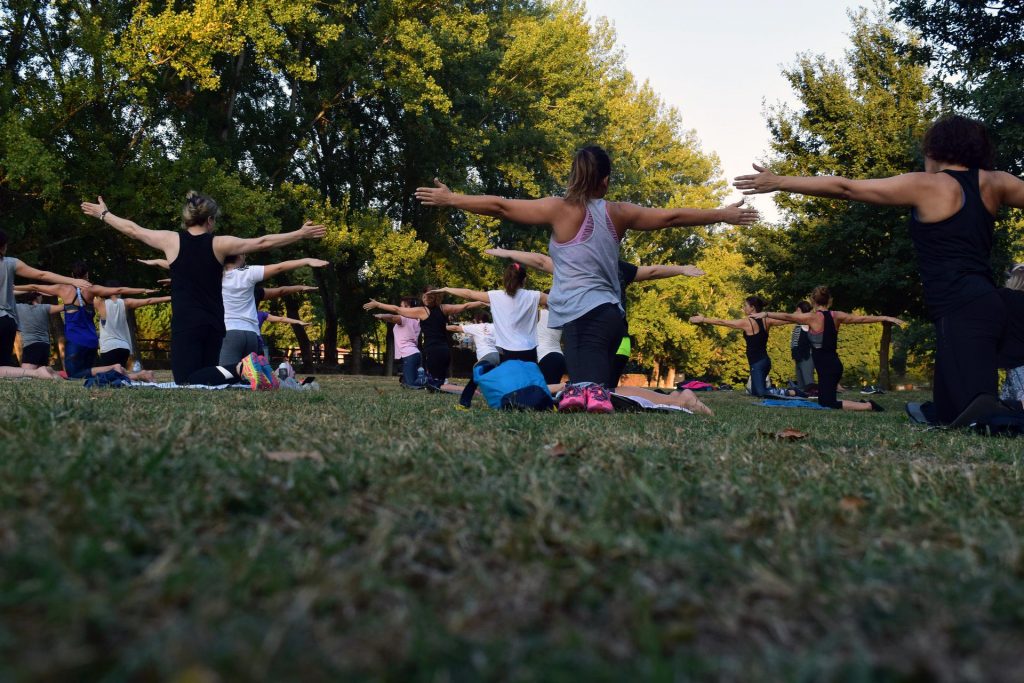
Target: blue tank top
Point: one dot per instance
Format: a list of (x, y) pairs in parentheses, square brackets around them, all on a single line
[(80, 322)]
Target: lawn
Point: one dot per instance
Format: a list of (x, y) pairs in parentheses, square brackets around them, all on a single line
[(147, 535)]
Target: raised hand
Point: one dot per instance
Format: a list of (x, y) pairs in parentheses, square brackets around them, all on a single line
[(312, 231), (693, 271), (308, 288), (897, 321), (316, 263), (439, 195), (94, 210), (737, 214), (757, 183), (371, 304), (81, 284)]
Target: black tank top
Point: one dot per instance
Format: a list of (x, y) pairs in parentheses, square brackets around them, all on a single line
[(829, 334), (196, 277), (434, 328), (954, 255), (757, 344)]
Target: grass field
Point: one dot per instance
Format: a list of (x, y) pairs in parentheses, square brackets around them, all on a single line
[(147, 535)]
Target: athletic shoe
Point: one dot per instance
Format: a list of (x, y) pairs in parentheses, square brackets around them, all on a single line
[(598, 400), (876, 408), (983, 406), (574, 399), (269, 373), (867, 391), (252, 372)]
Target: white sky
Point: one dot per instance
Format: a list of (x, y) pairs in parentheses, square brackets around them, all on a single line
[(719, 62)]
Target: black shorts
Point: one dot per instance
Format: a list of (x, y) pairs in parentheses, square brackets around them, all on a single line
[(36, 354), (114, 357)]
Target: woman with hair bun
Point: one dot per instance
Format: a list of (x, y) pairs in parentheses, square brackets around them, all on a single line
[(953, 205), (755, 336), (196, 260), (586, 231), (823, 331)]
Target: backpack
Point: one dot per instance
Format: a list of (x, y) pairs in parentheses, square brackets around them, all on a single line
[(513, 385)]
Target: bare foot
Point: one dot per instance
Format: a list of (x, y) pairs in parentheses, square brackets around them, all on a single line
[(143, 376), (689, 400)]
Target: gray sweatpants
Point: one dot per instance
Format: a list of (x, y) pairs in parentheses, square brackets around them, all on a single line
[(237, 345)]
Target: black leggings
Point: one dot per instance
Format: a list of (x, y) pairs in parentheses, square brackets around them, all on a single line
[(590, 343), (194, 349), (115, 357), (8, 329), (553, 367), (971, 344), (436, 360), (215, 376), (830, 372), (529, 356)]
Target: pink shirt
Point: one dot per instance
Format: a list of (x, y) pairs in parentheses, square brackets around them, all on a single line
[(407, 333)]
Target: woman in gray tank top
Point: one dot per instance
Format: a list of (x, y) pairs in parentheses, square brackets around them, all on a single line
[(585, 235), (34, 325)]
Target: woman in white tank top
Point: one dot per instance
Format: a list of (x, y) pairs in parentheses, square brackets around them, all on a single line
[(585, 236)]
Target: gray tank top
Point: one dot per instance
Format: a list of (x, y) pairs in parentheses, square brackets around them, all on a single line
[(586, 268), (34, 323), (114, 330), (8, 305)]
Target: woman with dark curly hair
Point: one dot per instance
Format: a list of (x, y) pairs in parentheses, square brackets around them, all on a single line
[(978, 326)]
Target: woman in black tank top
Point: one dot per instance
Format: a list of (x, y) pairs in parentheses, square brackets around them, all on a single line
[(978, 327), (755, 336), (196, 260), (824, 331), (433, 317)]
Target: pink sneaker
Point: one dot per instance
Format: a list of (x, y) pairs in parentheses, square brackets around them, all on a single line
[(598, 400), (574, 399)]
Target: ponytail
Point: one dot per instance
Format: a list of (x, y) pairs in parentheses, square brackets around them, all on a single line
[(514, 278), (755, 302), (821, 296), (590, 167)]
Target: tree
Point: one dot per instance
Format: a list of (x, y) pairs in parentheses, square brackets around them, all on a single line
[(860, 119)]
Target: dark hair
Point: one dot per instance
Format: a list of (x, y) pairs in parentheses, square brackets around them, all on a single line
[(821, 296), (514, 278), (481, 317), (409, 301), (79, 269), (590, 167), (803, 307), (755, 302), (113, 283), (960, 140), (32, 297), (198, 209), (3, 244)]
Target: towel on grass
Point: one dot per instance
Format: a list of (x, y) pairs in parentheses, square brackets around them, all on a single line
[(791, 403)]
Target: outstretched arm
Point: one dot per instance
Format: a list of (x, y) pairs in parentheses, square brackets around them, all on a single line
[(794, 318), (909, 189), (290, 321), (155, 262), (471, 294), (732, 324), (418, 313), (31, 273), (225, 245), (285, 266), (164, 240), (850, 319), (632, 217), (278, 292), (56, 309), (98, 290), (49, 290), (456, 309), (454, 328), (661, 272), (530, 259), (388, 318), (526, 211), (138, 303)]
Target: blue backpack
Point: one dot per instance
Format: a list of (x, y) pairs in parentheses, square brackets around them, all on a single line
[(513, 385)]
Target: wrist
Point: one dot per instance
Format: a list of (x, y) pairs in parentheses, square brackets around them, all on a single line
[(103, 215)]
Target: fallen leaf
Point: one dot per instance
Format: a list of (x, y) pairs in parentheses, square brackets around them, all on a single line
[(292, 456), (852, 503), (787, 434), (556, 450)]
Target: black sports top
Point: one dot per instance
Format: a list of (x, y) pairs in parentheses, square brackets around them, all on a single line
[(954, 255), (196, 277), (627, 274), (757, 344), (435, 328), (826, 341)]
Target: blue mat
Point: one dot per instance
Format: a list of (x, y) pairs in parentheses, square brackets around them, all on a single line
[(775, 403)]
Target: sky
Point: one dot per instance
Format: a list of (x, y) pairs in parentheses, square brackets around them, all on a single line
[(719, 62)]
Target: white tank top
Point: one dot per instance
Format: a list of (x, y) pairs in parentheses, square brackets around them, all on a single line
[(515, 319), (114, 330), (548, 340)]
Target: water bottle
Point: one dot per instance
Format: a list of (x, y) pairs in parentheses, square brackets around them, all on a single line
[(136, 366)]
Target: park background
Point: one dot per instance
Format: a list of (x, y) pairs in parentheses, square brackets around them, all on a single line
[(284, 110)]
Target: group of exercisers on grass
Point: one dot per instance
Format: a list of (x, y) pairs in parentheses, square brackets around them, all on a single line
[(953, 204)]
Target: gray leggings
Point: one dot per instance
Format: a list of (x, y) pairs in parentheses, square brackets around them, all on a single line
[(237, 345)]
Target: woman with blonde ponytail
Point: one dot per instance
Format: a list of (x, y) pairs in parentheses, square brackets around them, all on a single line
[(196, 259), (586, 230)]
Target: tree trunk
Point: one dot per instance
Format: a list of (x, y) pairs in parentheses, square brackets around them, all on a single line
[(356, 366), (670, 378), (291, 307), (389, 352), (330, 340), (656, 373), (883, 356)]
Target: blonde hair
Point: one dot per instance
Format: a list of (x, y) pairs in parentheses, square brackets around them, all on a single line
[(590, 167), (1015, 278), (198, 209), (821, 295)]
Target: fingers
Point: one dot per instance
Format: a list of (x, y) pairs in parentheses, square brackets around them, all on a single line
[(759, 169), (738, 204)]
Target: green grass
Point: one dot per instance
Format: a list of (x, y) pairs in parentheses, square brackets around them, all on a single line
[(145, 535)]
